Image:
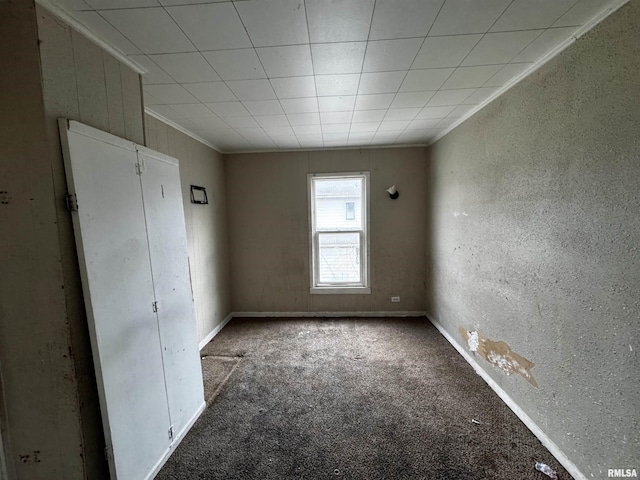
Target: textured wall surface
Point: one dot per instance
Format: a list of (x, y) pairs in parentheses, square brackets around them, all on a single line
[(268, 216), (206, 224), (534, 215)]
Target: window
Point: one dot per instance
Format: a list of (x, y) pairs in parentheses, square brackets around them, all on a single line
[(339, 210)]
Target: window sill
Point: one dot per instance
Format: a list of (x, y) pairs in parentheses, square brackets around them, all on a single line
[(340, 290)]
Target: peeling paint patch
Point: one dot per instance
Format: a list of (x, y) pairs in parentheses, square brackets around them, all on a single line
[(499, 354), (458, 214)]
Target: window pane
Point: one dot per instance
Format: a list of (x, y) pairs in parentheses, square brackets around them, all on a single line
[(339, 257), (331, 196)]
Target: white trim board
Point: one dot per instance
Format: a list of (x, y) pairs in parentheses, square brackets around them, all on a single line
[(327, 314), (504, 396), (181, 129), (214, 332)]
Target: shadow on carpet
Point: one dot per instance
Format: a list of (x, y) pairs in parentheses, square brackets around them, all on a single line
[(353, 399)]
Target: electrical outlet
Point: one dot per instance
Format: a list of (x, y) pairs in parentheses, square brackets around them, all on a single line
[(395, 299)]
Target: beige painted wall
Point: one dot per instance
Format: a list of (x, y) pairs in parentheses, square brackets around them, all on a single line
[(535, 211), (269, 230), (206, 224)]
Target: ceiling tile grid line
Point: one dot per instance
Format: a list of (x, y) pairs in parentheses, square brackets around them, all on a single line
[(243, 74)]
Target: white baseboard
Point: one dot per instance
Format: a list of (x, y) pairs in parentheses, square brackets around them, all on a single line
[(328, 314), (214, 332), (504, 396)]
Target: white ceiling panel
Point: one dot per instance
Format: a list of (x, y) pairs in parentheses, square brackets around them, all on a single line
[(480, 95), (331, 58), (368, 116), (496, 48), (336, 104), (167, 112), (374, 102), (73, 5), (294, 87), (288, 61), (393, 125), (506, 73), (307, 129), (422, 80), (336, 128), (423, 124), (210, 92), (332, 85), (278, 131), (268, 121), (168, 94), (300, 105), (150, 29), (411, 99), (339, 20), (401, 114), (241, 122), (403, 18), (252, 89), (460, 111), (380, 82), (335, 117), (112, 4), (237, 64), (274, 22), (101, 27), (581, 12), (527, 15), (389, 55), (304, 118), (228, 109), (468, 16), (213, 26), (448, 51), (434, 112), (364, 127), (469, 77), (192, 110), (450, 97), (155, 75), (541, 45), (264, 107), (186, 67)]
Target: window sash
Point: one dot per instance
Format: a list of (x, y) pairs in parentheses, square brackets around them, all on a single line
[(316, 260)]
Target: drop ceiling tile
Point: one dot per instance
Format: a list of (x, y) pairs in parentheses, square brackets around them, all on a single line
[(424, 80), (450, 97), (389, 55), (264, 107), (403, 19), (237, 64), (168, 94), (278, 131), (331, 85), (274, 22), (527, 15), (242, 122), (252, 89), (294, 87), (192, 110), (339, 20), (304, 118), (469, 77), (461, 111), (412, 99), (380, 82), (374, 102), (336, 104), (331, 58), (423, 124), (361, 136), (186, 67), (446, 122), (307, 129), (212, 26), (155, 75), (383, 136), (152, 30), (167, 112), (480, 95), (401, 114), (149, 99), (300, 105), (112, 4), (543, 44), (434, 112), (448, 51), (581, 13), (410, 136), (169, 3), (467, 16), (253, 134), (367, 116), (210, 92), (228, 109), (310, 140), (507, 73), (393, 125), (273, 121), (497, 48), (209, 122), (364, 127), (287, 61), (74, 5), (335, 139), (106, 31), (335, 128), (335, 117)]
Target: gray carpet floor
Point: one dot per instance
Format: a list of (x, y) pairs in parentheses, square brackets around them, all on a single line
[(349, 399)]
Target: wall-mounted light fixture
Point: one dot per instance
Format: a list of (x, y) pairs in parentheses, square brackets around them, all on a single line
[(199, 195), (393, 193)]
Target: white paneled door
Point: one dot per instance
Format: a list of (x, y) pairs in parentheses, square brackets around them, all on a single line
[(137, 295)]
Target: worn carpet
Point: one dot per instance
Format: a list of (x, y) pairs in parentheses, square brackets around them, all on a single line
[(352, 399)]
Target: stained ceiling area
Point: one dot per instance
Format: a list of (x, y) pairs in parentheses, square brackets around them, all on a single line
[(264, 75)]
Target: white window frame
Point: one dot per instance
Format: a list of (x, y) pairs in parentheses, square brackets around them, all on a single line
[(339, 288)]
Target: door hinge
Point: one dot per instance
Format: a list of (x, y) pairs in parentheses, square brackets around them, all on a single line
[(139, 168), (154, 306), (71, 202), (171, 432)]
